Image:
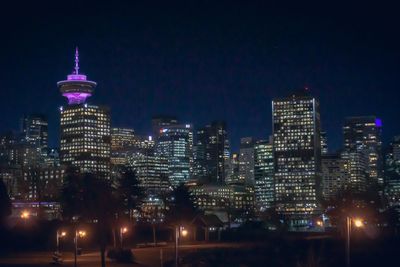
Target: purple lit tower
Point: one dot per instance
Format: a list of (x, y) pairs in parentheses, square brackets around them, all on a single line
[(85, 129), (76, 88)]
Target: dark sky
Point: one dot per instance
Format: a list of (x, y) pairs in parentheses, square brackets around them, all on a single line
[(203, 61)]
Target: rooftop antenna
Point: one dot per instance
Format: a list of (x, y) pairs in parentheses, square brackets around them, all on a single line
[(76, 61)]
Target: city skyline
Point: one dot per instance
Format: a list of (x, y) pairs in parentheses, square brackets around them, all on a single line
[(199, 133), (139, 75)]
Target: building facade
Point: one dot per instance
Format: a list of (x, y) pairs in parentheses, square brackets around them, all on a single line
[(297, 157), (232, 169), (264, 175), (212, 152), (324, 143), (363, 134), (150, 167), (34, 129), (246, 161), (175, 143), (335, 175)]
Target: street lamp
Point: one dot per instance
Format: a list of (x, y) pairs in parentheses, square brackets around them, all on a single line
[(358, 222), (57, 255), (59, 235), (179, 231), (184, 232), (25, 216), (80, 234), (122, 231)]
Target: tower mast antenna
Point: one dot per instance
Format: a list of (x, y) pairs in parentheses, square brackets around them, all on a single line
[(76, 61)]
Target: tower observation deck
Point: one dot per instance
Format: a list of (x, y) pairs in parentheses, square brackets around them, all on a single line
[(76, 88)]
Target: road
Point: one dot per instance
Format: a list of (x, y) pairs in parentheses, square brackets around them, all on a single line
[(145, 257)]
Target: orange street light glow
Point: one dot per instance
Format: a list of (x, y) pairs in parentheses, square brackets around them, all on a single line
[(124, 230), (82, 233), (63, 233), (184, 232), (25, 214), (358, 223)]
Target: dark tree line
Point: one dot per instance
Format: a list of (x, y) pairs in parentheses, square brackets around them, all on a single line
[(87, 198), (5, 203)]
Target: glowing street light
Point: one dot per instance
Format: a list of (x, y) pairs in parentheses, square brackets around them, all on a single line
[(122, 231), (59, 235), (184, 232), (25, 214), (179, 231), (359, 223), (320, 223), (80, 234)]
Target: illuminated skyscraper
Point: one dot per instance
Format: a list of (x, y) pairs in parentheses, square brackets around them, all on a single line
[(297, 157), (151, 168), (324, 143), (392, 176), (122, 138), (34, 130), (175, 142), (357, 166), (212, 152), (232, 169), (264, 174), (363, 134), (159, 122), (85, 129), (246, 161), (122, 141), (335, 175)]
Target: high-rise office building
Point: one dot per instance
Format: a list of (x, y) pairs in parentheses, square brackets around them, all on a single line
[(364, 134), (123, 140), (357, 168), (392, 176), (85, 129), (7, 141), (151, 168), (232, 169), (175, 144), (246, 161), (335, 175), (324, 143), (264, 175), (159, 122), (34, 129), (297, 157), (212, 151)]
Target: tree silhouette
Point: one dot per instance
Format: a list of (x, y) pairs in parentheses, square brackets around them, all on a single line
[(129, 196), (90, 199), (129, 193), (5, 202), (181, 209)]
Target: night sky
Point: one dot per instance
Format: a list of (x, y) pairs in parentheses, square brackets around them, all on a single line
[(203, 61)]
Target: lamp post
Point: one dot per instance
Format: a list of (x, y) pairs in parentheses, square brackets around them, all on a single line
[(80, 234), (357, 223), (25, 216), (179, 230), (59, 235), (122, 231)]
